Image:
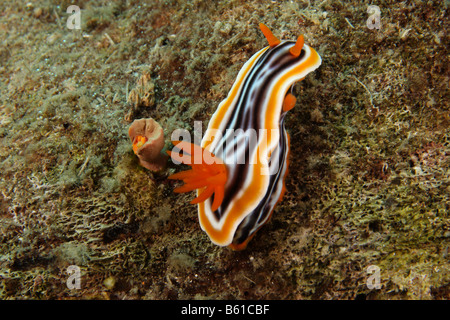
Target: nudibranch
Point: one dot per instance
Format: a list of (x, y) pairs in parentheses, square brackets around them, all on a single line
[(240, 167)]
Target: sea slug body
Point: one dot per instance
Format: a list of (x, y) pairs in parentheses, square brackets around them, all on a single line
[(244, 152)]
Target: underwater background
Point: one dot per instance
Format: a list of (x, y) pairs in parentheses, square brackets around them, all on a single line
[(366, 212)]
